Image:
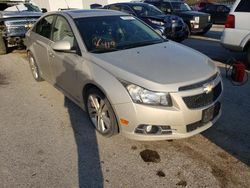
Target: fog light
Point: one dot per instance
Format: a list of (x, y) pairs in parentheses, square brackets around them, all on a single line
[(149, 128), (152, 129)]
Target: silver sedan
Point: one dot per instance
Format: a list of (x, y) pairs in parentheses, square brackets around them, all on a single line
[(126, 76)]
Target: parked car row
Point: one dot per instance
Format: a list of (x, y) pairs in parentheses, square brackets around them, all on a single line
[(170, 26), (175, 20)]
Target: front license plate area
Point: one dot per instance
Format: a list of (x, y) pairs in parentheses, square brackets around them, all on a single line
[(210, 113)]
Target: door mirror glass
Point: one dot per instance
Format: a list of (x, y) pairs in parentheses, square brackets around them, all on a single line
[(62, 46)]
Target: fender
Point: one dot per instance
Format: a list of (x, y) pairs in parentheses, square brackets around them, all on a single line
[(245, 41)]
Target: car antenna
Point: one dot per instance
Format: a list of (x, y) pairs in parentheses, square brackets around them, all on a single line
[(67, 3)]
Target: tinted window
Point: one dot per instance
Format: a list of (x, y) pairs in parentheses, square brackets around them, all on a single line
[(222, 9), (146, 10), (244, 6), (126, 9), (115, 7), (62, 31), (211, 8), (111, 33), (44, 26)]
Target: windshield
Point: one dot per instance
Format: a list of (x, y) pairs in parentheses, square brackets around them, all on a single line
[(20, 7), (112, 33), (146, 10), (179, 7)]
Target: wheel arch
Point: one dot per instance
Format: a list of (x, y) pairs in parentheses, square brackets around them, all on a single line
[(91, 85)]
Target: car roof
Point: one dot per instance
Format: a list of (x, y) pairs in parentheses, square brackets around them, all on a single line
[(91, 13)]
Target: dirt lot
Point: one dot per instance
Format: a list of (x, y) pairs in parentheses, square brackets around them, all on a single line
[(47, 141)]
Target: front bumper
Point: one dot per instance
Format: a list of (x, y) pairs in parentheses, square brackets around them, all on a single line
[(178, 117), (198, 28)]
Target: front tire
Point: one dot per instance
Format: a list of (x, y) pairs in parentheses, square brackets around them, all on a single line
[(101, 113), (3, 47), (34, 68)]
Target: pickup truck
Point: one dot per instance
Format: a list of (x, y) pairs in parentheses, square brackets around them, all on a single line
[(16, 18), (197, 22)]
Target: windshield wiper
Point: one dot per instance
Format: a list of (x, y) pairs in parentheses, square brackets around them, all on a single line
[(139, 44), (103, 50)]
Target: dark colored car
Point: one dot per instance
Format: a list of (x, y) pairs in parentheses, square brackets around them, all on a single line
[(218, 12), (16, 18), (197, 22), (170, 26)]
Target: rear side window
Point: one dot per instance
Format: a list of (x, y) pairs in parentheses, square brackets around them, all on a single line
[(44, 26), (244, 6)]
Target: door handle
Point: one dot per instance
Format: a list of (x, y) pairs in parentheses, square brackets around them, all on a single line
[(51, 54)]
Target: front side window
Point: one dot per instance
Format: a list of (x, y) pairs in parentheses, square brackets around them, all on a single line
[(62, 31), (44, 26), (111, 33)]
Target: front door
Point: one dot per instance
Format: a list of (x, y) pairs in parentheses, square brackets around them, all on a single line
[(64, 64)]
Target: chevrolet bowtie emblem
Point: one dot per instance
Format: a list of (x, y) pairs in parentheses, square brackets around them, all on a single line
[(208, 87)]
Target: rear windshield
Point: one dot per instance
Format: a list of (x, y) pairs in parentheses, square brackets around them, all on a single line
[(112, 33), (244, 6)]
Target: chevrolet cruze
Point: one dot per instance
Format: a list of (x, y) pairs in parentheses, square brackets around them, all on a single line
[(125, 75)]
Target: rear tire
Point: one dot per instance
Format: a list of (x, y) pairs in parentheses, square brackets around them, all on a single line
[(34, 68), (3, 47), (101, 113)]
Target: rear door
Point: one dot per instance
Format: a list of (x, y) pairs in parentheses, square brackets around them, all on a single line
[(41, 40)]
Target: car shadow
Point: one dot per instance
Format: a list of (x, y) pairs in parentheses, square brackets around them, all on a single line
[(89, 167), (232, 131)]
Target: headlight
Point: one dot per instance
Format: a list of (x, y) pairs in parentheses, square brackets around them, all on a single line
[(157, 22), (209, 18), (144, 96), (197, 19)]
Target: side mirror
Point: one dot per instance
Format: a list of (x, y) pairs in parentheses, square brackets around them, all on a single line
[(44, 10), (62, 46)]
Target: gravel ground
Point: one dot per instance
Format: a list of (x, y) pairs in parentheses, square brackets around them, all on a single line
[(47, 141)]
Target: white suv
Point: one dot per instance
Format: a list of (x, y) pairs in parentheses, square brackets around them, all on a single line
[(236, 35)]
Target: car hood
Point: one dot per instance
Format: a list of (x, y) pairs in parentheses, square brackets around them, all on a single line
[(16, 14), (169, 65), (191, 13)]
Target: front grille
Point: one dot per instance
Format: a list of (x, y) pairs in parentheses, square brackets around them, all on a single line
[(204, 99), (18, 27), (203, 21)]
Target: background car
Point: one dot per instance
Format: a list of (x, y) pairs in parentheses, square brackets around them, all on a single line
[(170, 26), (16, 18), (218, 12), (236, 35), (126, 76), (197, 22)]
